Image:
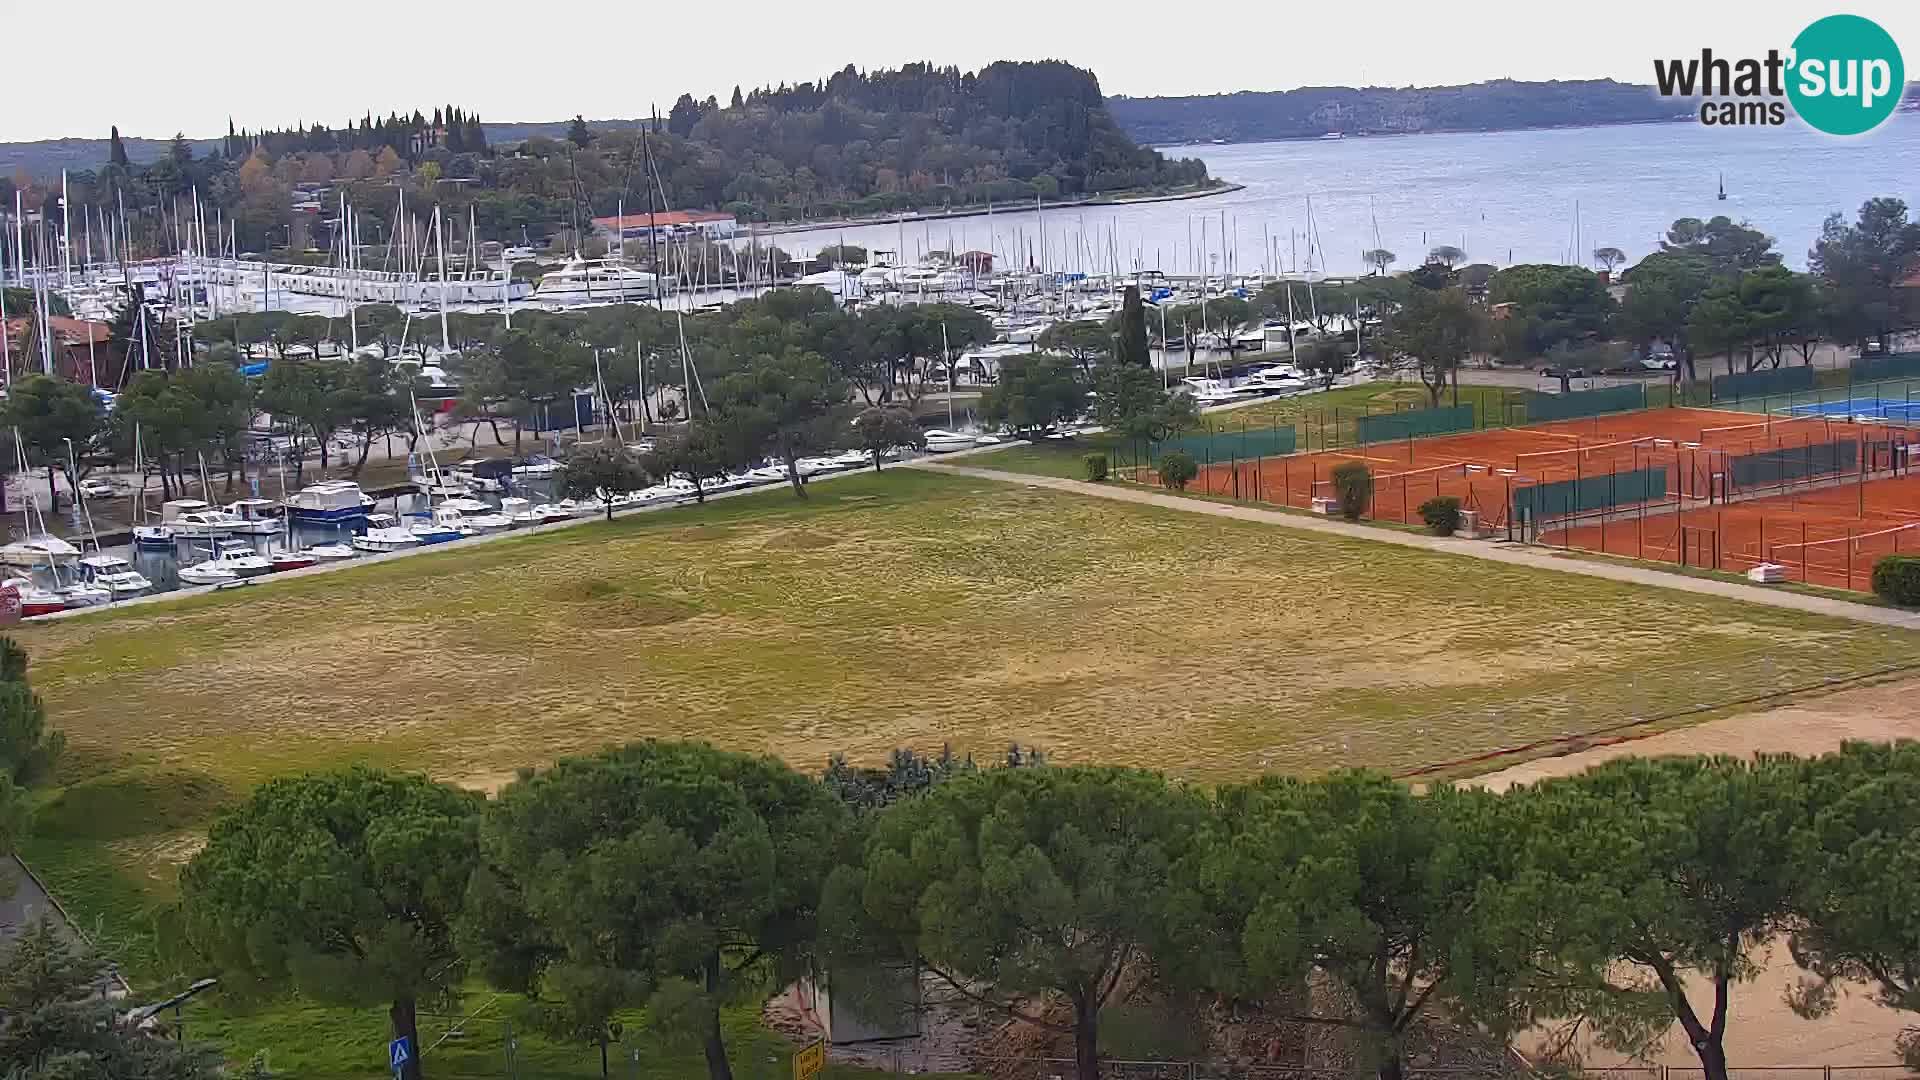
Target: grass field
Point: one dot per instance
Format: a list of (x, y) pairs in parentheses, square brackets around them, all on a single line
[(907, 609)]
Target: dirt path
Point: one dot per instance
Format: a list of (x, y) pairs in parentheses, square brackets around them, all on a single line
[(1883, 712), (1511, 554), (1761, 1029)]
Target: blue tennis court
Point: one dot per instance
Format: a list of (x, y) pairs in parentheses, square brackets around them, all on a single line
[(1875, 408)]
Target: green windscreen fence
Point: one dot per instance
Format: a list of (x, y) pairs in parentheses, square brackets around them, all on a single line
[(1542, 408), (1794, 463), (1412, 424), (1563, 498), (1207, 447), (1760, 383), (1890, 366)]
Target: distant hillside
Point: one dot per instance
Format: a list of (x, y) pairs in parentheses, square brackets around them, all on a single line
[(1309, 112), (47, 157), (856, 144)]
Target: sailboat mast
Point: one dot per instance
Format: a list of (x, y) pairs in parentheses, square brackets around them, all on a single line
[(440, 256)]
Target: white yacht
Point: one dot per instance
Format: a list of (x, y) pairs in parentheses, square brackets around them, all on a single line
[(596, 281), (329, 502), (475, 515), (946, 442), (239, 557), (258, 517), (207, 573), (384, 533), (41, 549), (114, 574)]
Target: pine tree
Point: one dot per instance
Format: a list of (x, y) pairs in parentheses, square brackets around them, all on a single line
[(116, 150), (737, 103)]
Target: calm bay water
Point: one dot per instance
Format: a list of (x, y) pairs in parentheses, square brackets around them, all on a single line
[(1503, 197)]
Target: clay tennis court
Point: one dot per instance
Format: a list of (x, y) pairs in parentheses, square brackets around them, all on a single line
[(1829, 535), (1485, 468)]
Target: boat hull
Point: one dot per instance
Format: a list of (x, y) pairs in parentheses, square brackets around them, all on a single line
[(336, 516)]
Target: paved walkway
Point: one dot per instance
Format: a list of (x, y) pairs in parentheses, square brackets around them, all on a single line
[(1511, 554)]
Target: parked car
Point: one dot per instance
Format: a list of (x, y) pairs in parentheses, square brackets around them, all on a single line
[(96, 488), (1552, 371)]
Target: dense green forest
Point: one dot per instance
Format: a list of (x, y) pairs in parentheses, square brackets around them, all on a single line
[(855, 143), (1312, 111)]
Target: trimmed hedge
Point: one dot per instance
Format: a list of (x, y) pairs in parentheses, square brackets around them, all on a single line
[(1896, 579), (1178, 469), (1353, 487), (1442, 514), (1096, 467)]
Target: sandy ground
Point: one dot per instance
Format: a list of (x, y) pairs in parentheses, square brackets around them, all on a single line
[(1761, 1030)]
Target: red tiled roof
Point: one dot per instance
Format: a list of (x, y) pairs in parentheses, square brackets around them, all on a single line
[(66, 331), (667, 217)]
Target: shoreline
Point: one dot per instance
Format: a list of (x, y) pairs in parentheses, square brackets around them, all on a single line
[(1223, 188), (1349, 136)]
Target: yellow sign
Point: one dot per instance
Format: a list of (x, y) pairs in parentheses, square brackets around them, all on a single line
[(810, 1060)]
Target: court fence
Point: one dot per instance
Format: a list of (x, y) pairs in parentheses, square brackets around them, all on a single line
[(1414, 423), (1231, 444), (1865, 369), (1543, 408), (1607, 492), (1761, 383)]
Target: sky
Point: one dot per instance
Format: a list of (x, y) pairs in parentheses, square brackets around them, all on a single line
[(154, 72)]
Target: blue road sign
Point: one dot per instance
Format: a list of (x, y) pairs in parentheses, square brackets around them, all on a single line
[(399, 1052)]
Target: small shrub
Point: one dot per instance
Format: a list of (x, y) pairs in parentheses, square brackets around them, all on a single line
[(1096, 466), (1353, 487), (1177, 470), (1442, 514), (1896, 579)]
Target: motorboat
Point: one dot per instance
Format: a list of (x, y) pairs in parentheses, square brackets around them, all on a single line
[(854, 459), (488, 476), (537, 465), (439, 489), (258, 517), (814, 466), (34, 600), (446, 526), (384, 533), (80, 594), (581, 507), (113, 573), (605, 281), (207, 524), (207, 573), (329, 502), (473, 514), (239, 557), (39, 549), (326, 553), (292, 559), (946, 442), (768, 474), (154, 537)]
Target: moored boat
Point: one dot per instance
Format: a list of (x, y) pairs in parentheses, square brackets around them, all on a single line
[(328, 502)]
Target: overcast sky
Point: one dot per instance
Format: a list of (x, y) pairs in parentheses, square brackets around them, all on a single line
[(155, 68)]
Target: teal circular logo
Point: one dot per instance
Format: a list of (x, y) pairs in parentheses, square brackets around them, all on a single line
[(1846, 75)]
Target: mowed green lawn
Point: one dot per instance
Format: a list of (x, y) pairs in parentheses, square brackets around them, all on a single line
[(909, 609)]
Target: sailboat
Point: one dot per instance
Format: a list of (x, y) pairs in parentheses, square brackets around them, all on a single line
[(35, 547)]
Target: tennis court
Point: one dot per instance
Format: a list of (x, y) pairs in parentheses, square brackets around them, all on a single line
[(1875, 408), (1826, 535), (1484, 469)]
